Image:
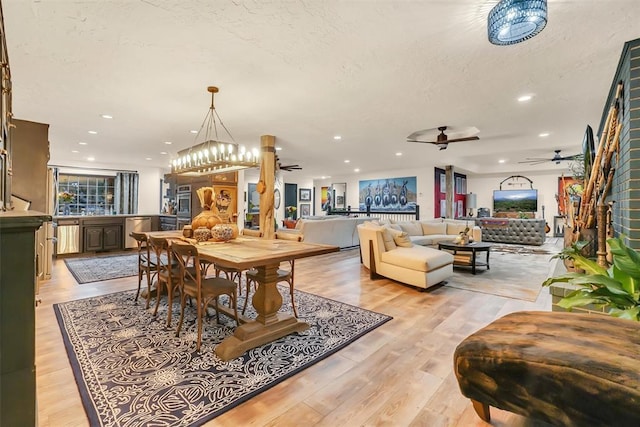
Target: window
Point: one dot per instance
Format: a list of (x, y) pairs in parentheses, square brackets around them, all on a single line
[(85, 194)]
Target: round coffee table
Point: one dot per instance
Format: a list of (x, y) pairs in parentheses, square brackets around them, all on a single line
[(471, 249)]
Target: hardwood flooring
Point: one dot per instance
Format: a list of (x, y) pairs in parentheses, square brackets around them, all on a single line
[(401, 374)]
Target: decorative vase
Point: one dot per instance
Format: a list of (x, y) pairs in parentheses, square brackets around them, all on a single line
[(187, 231), (67, 209), (202, 234), (206, 219), (222, 233)]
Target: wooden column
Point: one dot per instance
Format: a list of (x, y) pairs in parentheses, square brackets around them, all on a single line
[(267, 185)]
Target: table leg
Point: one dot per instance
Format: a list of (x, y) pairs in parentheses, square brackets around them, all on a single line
[(488, 251), (473, 262), (269, 324)]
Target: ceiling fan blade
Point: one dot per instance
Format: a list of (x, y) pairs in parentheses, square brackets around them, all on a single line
[(469, 138), (536, 161)]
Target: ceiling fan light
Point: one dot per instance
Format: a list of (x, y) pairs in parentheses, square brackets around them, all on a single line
[(514, 21)]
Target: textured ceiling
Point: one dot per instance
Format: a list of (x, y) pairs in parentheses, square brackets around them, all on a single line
[(304, 71)]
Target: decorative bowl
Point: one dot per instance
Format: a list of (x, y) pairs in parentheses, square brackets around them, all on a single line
[(222, 233), (202, 234)]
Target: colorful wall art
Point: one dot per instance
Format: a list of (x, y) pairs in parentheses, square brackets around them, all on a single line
[(388, 194)]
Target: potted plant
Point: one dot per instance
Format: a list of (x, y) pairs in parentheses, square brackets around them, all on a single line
[(291, 212), (616, 288)]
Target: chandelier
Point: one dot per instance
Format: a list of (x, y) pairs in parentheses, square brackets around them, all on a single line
[(514, 21), (213, 155)]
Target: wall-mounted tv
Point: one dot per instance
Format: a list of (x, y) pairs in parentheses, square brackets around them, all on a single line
[(515, 200)]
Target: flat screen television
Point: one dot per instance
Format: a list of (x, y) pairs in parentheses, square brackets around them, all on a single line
[(515, 200)]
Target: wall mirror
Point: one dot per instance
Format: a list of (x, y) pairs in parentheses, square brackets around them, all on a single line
[(339, 195)]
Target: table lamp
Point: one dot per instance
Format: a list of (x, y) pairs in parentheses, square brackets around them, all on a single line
[(471, 203)]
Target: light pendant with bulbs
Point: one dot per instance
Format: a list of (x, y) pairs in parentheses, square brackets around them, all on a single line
[(213, 155)]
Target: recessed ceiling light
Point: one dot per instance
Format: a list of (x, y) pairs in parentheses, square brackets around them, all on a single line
[(337, 137), (398, 154), (163, 153), (193, 131), (91, 159), (147, 158), (525, 98), (278, 148), (82, 143), (74, 151), (168, 142), (543, 134), (501, 161), (106, 116), (347, 161), (356, 170), (93, 132)]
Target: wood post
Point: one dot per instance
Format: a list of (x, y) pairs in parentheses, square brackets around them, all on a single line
[(267, 185)]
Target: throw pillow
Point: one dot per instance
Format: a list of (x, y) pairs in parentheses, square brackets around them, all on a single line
[(412, 228), (429, 228), (400, 238), (299, 224), (387, 237)]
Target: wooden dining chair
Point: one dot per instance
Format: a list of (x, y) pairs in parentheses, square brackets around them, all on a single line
[(146, 266), (205, 290), (168, 273), (235, 274), (283, 275)]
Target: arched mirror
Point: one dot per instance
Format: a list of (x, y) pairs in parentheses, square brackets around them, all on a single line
[(339, 195)]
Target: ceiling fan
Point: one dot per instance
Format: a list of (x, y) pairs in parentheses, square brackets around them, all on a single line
[(287, 168), (442, 140), (556, 158)]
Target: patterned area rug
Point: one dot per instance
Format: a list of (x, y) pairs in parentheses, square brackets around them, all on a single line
[(106, 267), (517, 275), (132, 371)]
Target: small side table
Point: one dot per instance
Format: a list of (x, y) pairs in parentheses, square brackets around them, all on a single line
[(471, 250)]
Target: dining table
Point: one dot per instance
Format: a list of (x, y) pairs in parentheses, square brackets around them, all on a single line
[(264, 255)]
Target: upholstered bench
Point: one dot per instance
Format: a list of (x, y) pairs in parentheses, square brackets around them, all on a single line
[(563, 368)]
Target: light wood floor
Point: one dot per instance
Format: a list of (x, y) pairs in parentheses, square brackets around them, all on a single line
[(398, 375)]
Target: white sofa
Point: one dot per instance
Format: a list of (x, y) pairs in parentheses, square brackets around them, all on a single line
[(329, 230), (409, 263), (432, 231)]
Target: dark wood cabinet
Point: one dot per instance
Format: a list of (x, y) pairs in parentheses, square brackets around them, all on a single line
[(168, 223), (17, 316), (102, 235)]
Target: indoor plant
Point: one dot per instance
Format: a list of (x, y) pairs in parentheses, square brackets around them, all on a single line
[(615, 288)]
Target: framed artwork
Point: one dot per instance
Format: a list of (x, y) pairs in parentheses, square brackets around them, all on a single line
[(305, 194), (253, 198), (324, 195), (305, 209), (226, 201), (388, 194)]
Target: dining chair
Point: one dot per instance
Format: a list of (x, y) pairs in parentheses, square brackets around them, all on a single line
[(168, 273), (283, 275), (235, 274), (204, 290), (145, 264)]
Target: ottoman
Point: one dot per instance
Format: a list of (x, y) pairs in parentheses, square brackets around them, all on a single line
[(563, 368)]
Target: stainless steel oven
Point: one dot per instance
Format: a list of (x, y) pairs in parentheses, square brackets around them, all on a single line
[(183, 199)]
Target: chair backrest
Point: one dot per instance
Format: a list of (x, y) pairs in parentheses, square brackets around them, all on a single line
[(186, 255), (296, 237), (160, 246), (252, 233), (143, 246)]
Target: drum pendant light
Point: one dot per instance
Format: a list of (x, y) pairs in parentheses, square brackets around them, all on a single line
[(514, 21)]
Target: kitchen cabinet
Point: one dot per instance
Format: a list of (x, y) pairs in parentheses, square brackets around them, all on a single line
[(102, 234), (168, 223), (17, 316)]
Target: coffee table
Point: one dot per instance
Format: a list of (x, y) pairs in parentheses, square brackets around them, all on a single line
[(471, 249)]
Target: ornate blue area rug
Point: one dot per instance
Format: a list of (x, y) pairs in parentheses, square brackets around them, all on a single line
[(132, 371), (106, 267)]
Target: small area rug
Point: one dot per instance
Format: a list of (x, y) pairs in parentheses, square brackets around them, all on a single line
[(132, 371), (104, 267), (516, 272)]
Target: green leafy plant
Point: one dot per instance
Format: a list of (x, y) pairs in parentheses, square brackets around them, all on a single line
[(616, 287)]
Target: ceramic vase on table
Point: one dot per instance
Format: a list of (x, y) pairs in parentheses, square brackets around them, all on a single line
[(222, 233)]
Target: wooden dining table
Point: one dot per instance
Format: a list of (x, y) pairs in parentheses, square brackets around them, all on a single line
[(265, 255)]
